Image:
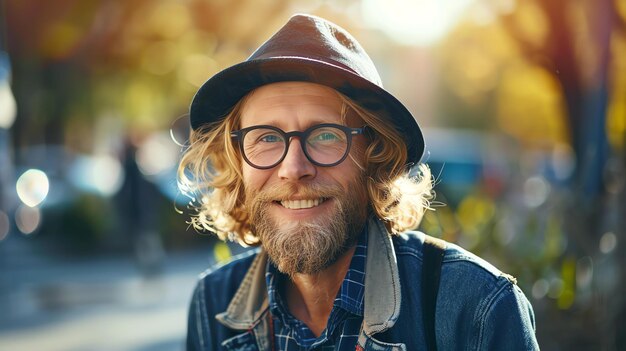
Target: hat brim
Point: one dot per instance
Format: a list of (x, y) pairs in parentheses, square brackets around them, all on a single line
[(217, 96)]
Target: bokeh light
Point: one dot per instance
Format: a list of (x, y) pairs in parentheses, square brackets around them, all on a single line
[(608, 242), (101, 174), (416, 22), (540, 288), (27, 219), (32, 187), (5, 225), (536, 191), (157, 154), (8, 108)]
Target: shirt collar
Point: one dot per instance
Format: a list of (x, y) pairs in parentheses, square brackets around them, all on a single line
[(350, 296), (351, 292)]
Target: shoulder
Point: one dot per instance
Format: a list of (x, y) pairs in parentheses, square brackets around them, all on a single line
[(467, 282), (214, 291), (480, 302), (457, 261)]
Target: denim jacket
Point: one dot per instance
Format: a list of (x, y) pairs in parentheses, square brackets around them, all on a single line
[(478, 307)]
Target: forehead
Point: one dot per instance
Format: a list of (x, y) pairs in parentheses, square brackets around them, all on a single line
[(300, 102)]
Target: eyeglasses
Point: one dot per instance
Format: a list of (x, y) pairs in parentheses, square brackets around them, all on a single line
[(324, 145)]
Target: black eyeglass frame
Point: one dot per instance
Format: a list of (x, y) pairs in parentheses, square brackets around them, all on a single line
[(302, 136)]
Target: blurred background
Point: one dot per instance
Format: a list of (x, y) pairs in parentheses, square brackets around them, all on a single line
[(523, 103)]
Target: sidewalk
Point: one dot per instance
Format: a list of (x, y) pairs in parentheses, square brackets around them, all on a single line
[(102, 304)]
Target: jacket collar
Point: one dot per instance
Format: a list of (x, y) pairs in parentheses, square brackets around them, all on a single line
[(382, 287), (382, 281), (250, 301)]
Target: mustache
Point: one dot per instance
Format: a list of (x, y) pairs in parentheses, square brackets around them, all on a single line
[(278, 192)]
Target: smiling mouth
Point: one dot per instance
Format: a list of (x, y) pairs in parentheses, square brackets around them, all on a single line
[(301, 204)]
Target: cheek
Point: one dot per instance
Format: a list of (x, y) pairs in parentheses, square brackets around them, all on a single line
[(254, 178), (348, 174)]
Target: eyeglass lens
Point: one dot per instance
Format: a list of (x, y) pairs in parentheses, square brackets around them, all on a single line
[(324, 145)]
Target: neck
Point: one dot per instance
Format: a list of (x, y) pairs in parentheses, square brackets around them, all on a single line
[(310, 297)]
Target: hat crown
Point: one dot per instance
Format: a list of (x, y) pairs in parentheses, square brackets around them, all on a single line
[(308, 49), (314, 38)]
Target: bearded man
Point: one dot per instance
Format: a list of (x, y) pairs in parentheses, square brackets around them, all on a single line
[(299, 150)]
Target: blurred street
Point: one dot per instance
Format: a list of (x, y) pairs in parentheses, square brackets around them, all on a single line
[(96, 304)]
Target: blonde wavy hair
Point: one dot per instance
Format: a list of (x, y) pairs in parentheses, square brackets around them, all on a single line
[(210, 174)]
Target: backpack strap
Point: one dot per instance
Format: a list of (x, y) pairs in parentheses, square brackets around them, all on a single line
[(433, 252)]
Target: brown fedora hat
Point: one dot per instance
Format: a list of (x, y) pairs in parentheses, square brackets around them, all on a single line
[(308, 49)]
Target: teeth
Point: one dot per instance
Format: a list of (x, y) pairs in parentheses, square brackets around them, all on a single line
[(298, 204)]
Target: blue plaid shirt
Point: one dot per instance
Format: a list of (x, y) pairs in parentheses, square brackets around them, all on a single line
[(344, 322)]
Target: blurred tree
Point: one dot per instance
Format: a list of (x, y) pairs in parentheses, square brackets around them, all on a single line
[(549, 73), (575, 42), (572, 41)]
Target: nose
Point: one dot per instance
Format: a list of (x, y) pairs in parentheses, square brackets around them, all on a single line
[(296, 166)]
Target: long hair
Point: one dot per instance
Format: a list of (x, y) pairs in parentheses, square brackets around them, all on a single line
[(210, 174)]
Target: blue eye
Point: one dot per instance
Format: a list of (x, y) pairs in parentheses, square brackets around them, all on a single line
[(326, 136), (270, 138)]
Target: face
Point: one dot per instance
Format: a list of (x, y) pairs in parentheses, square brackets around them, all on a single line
[(307, 216)]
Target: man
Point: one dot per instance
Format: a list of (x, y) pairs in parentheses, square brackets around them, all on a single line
[(301, 151)]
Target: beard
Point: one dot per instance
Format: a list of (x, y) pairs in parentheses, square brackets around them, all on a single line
[(312, 245)]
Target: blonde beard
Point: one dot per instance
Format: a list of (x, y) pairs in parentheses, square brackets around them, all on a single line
[(308, 247)]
